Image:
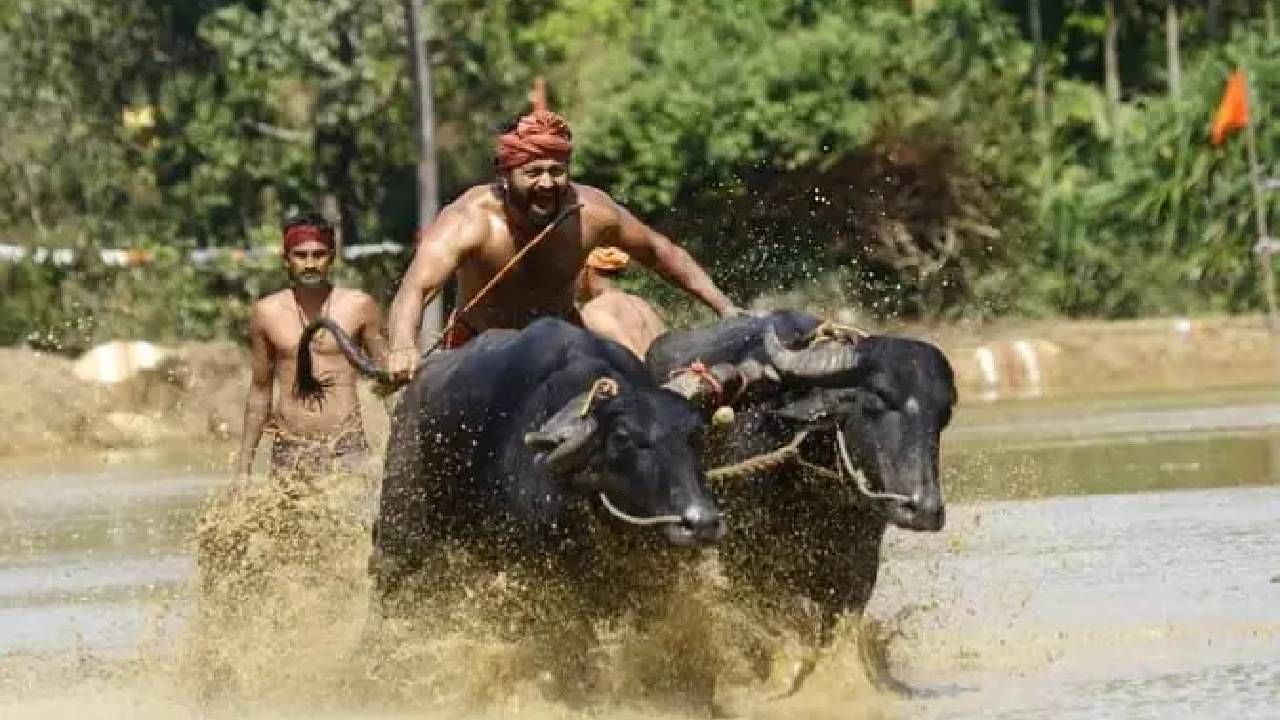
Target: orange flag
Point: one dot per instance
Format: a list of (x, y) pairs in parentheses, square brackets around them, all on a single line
[(1233, 111)]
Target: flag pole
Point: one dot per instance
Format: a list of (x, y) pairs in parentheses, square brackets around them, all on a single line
[(1260, 210)]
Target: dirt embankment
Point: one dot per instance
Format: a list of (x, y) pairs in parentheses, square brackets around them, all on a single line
[(1012, 360), (196, 395)]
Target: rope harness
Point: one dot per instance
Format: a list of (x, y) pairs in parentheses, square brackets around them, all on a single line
[(633, 520), (703, 373), (767, 461), (724, 414), (602, 387), (830, 330), (790, 453)]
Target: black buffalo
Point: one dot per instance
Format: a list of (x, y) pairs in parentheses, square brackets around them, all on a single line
[(548, 450), (879, 401)]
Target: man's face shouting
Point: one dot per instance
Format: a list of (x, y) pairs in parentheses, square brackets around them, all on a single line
[(309, 264), (538, 188)]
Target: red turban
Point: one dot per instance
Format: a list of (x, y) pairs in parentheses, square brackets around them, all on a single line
[(299, 234), (539, 135)]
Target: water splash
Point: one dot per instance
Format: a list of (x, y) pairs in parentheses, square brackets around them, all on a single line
[(277, 623)]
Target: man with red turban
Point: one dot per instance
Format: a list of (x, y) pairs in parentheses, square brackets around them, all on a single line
[(481, 231), (308, 440)]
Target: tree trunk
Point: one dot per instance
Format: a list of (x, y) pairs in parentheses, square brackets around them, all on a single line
[(1269, 13), (1213, 19), (33, 202), (428, 174), (336, 152), (1043, 121), (1172, 32), (1111, 60)]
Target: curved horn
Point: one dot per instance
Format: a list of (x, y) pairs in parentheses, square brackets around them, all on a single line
[(828, 362), (566, 438)]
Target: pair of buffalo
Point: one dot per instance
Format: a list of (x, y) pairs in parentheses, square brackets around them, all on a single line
[(520, 446)]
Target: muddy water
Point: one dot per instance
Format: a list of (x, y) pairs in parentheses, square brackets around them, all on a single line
[(1116, 557)]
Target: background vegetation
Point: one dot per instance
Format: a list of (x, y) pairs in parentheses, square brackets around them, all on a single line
[(926, 159)]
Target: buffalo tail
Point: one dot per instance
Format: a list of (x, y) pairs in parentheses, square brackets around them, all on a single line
[(311, 388)]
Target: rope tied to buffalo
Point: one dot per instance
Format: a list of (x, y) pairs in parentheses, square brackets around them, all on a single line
[(772, 460), (602, 387), (633, 520), (700, 370), (831, 330), (790, 453)]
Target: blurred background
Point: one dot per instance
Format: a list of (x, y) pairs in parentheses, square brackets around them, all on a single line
[(1030, 184), (925, 160)]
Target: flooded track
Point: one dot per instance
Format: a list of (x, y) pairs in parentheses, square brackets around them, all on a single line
[(1129, 606), (1110, 558)]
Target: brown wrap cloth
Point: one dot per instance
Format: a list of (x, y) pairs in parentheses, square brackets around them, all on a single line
[(303, 457)]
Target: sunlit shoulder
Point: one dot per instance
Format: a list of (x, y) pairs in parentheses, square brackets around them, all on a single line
[(597, 205)]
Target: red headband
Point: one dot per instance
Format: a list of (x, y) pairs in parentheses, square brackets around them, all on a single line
[(299, 234), (539, 135)]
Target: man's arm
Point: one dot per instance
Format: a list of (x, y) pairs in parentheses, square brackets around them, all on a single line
[(455, 233), (257, 407), (652, 249)]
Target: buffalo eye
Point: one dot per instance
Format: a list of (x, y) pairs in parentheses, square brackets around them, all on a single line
[(620, 440), (874, 405), (882, 386)]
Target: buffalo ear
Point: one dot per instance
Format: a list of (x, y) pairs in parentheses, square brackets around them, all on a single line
[(565, 441)]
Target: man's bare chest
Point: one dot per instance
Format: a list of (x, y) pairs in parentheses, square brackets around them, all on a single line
[(551, 266), (286, 333)]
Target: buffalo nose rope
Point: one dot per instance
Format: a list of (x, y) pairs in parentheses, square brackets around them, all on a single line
[(791, 453), (632, 519)]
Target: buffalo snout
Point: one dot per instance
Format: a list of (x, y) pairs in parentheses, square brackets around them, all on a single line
[(923, 513), (700, 524)]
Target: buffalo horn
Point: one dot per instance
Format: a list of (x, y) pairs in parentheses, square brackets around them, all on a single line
[(565, 438), (826, 361)]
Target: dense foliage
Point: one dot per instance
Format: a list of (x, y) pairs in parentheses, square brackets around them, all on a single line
[(897, 156)]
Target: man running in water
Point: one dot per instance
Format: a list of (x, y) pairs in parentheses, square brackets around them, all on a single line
[(479, 233), (308, 440)]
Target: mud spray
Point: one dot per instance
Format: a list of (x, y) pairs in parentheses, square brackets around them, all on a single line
[(276, 623)]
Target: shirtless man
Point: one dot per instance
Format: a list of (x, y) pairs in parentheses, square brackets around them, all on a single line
[(309, 440), (483, 229), (611, 312)]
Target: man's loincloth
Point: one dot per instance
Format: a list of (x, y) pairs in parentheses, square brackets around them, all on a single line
[(345, 450), (459, 332)]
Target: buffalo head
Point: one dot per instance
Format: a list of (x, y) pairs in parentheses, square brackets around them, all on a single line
[(890, 398), (633, 449)]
